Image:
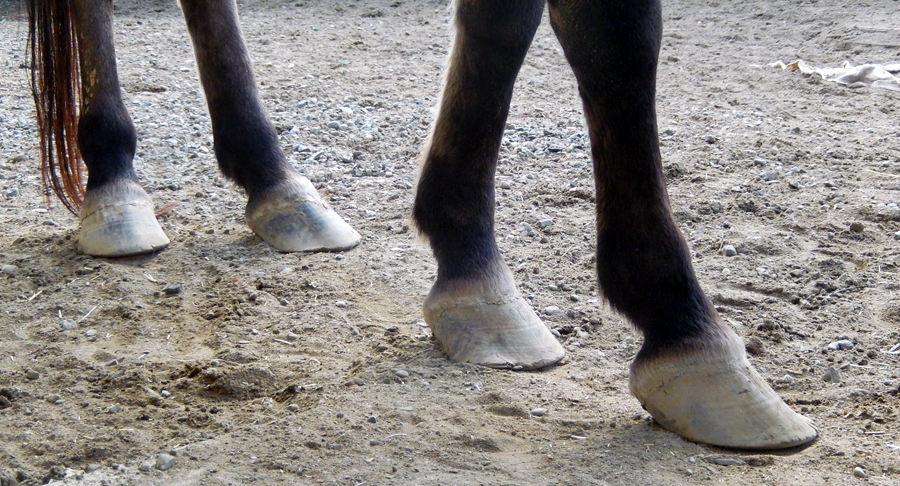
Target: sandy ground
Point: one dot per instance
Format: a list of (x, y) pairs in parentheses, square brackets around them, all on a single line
[(250, 366)]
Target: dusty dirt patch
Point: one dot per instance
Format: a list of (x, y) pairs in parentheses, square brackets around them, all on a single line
[(257, 367)]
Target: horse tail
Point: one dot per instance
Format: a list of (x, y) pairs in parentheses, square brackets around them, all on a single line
[(56, 87)]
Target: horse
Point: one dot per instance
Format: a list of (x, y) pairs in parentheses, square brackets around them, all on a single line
[(691, 373)]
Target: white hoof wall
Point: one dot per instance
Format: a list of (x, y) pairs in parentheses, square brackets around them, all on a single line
[(501, 333), (714, 396), (119, 221), (292, 217)]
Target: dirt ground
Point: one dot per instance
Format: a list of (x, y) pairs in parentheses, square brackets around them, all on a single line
[(250, 366)]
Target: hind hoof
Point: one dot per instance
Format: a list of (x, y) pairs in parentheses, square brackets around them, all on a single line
[(292, 217), (488, 323), (710, 393), (118, 220)]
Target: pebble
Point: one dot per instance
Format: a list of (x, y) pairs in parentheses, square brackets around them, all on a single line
[(841, 345), (859, 472), (729, 250), (832, 375), (402, 373), (726, 461), (290, 336), (897, 235), (538, 412), (335, 125), (9, 269), (786, 380), (857, 227), (545, 223), (293, 407), (32, 375), (69, 325), (91, 334), (710, 139), (4, 402), (551, 310), (771, 176), (164, 462), (165, 393), (172, 289), (341, 304)]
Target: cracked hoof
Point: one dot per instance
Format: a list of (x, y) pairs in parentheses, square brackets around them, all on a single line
[(490, 325), (711, 394), (118, 220), (292, 217)]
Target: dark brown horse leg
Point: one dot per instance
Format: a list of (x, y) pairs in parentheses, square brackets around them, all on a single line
[(692, 373), (474, 309), (283, 208), (117, 217)]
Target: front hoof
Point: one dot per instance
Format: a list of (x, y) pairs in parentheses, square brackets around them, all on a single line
[(501, 331), (711, 394), (292, 217), (118, 220)]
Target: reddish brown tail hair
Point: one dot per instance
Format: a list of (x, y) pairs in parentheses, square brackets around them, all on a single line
[(56, 86)]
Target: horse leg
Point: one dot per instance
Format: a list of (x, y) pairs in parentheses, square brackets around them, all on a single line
[(284, 208), (474, 308), (692, 373), (117, 217)]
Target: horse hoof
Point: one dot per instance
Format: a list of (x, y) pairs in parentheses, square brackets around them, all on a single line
[(475, 323), (711, 394), (292, 217), (118, 220)]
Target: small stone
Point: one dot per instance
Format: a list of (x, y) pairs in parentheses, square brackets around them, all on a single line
[(832, 375), (897, 235), (538, 412), (402, 373), (55, 399), (771, 176), (4, 402), (144, 468), (551, 310), (172, 289), (92, 467), (840, 345), (725, 461), (12, 192), (372, 420), (857, 227), (291, 336), (545, 223), (293, 407), (9, 269), (165, 393), (729, 250), (859, 472), (69, 325), (341, 304), (785, 380), (32, 375), (755, 346), (710, 139), (164, 462), (335, 125)]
